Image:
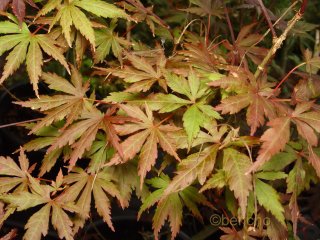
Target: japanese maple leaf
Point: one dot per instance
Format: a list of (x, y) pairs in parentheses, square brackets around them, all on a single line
[(206, 7), (28, 47), (251, 94), (107, 40), (14, 177), (81, 134), (53, 207), (83, 186), (18, 7), (70, 14), (171, 207), (143, 72), (141, 13), (275, 138), (144, 138), (245, 45), (202, 56), (68, 105)]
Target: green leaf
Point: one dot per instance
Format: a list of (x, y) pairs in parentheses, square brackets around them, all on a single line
[(279, 161), (34, 63), (217, 180), (170, 207), (107, 40), (167, 102), (178, 84), (101, 8), (82, 23), (9, 27), (14, 59), (24, 200), (208, 110), (271, 175), (268, 198), (192, 121)]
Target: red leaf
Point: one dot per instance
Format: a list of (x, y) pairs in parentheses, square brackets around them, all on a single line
[(19, 9), (4, 4), (274, 140)]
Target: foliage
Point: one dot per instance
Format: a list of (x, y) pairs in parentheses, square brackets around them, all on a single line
[(167, 105)]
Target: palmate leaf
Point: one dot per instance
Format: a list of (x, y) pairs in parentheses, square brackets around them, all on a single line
[(142, 72), (107, 40), (83, 186), (276, 137), (146, 134), (171, 206), (205, 7), (13, 176), (198, 112), (81, 134), (38, 224), (28, 47), (245, 45), (141, 13), (251, 93), (68, 105), (70, 14)]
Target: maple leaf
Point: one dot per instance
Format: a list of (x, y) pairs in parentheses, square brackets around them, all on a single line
[(217, 180), (18, 7), (82, 134), (312, 63), (83, 185), (205, 7), (143, 72), (15, 177), (197, 92), (276, 137), (251, 93), (200, 55), (235, 164), (38, 223), (141, 13), (106, 40), (26, 47), (68, 105), (69, 14), (172, 205), (145, 136), (245, 45)]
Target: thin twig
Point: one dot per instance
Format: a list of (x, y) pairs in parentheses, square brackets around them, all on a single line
[(288, 74), (229, 25), (267, 17), (18, 123)]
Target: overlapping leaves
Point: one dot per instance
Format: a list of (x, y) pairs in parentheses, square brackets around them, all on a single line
[(70, 14)]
